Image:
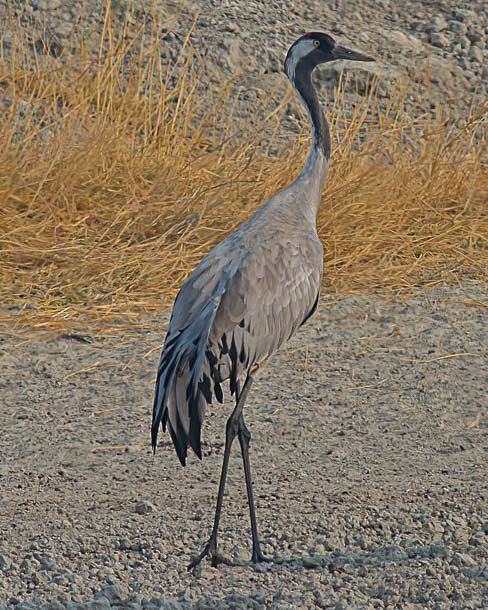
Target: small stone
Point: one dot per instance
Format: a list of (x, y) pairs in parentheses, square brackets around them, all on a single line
[(475, 35), (170, 604), (404, 40), (466, 15), (458, 26), (101, 603), (462, 41), (311, 562), (5, 563), (125, 544), (438, 40), (142, 507), (114, 593), (54, 605), (460, 559), (438, 24), (461, 534), (48, 5), (47, 565), (476, 54), (395, 553)]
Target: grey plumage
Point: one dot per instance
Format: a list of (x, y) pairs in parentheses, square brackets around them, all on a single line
[(240, 304), (249, 294)]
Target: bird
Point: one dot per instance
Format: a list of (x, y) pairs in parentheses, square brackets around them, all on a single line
[(249, 294)]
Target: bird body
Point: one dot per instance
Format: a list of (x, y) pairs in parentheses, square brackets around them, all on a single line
[(248, 296)]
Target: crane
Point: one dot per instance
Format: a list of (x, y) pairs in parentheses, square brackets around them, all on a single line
[(246, 298)]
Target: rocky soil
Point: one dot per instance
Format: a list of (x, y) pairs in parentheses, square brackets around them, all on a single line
[(435, 50), (369, 457)]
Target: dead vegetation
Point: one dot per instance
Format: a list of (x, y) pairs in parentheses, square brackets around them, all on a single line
[(116, 176)]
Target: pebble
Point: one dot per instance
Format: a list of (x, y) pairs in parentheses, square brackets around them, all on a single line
[(101, 603), (475, 35), (438, 39), (113, 593), (476, 54), (54, 605), (461, 534), (143, 507), (464, 559), (437, 24), (462, 41), (466, 15), (312, 562), (5, 563), (458, 27), (48, 5)]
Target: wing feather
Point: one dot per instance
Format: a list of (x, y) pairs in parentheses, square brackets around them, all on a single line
[(241, 303), (269, 298), (182, 384)]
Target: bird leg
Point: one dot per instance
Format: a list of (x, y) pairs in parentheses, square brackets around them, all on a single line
[(231, 432), (244, 440)]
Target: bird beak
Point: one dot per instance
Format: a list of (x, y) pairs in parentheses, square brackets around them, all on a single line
[(340, 52)]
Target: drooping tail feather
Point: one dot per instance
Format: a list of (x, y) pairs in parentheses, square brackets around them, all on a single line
[(186, 382)]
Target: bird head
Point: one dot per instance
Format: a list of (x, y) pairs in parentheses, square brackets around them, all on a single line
[(317, 48)]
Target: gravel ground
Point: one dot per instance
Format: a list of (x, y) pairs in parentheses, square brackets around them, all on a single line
[(369, 456)]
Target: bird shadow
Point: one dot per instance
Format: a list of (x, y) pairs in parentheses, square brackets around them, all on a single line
[(344, 561)]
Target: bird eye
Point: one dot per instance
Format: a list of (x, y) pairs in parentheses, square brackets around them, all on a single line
[(316, 43)]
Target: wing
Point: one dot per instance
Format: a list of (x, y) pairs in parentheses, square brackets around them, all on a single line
[(183, 380), (274, 291), (223, 259), (239, 305), (186, 370)]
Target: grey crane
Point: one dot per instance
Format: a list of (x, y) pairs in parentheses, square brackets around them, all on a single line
[(247, 297)]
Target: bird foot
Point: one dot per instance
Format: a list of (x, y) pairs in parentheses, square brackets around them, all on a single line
[(259, 557), (210, 551)]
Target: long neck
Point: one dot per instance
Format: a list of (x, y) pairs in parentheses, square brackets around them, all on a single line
[(307, 188), (302, 81), (301, 199)]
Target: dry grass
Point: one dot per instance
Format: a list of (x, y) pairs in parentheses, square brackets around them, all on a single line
[(112, 190)]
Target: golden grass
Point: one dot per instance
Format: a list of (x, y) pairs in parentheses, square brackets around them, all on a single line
[(115, 183)]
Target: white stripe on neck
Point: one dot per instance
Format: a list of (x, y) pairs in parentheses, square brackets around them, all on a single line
[(298, 52)]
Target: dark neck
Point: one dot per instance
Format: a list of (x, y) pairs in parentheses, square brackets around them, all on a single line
[(303, 84)]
